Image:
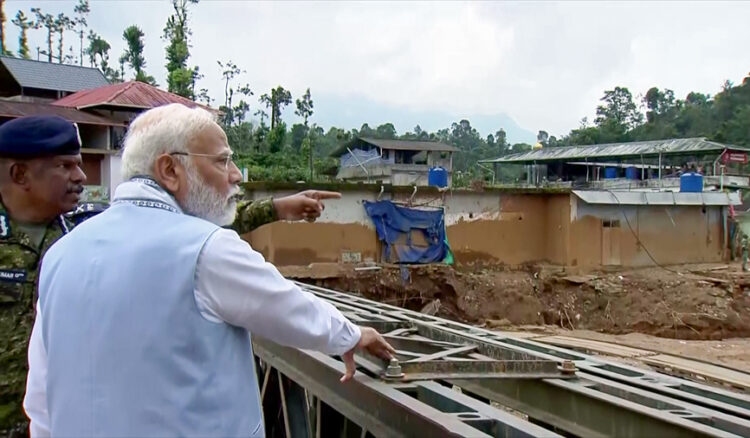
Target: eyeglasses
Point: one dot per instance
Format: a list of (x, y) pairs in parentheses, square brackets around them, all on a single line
[(222, 159)]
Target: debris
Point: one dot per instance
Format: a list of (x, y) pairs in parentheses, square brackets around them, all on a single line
[(580, 279), (497, 323), (432, 308), (368, 268)]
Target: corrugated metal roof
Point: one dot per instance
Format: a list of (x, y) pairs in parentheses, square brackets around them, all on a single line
[(657, 198), (21, 109), (51, 76), (403, 145), (675, 146), (410, 145), (133, 94)]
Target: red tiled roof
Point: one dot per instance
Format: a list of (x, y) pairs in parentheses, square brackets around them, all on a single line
[(133, 94), (13, 110)]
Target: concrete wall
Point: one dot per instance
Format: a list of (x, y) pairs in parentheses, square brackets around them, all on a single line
[(507, 228), (111, 172), (92, 167), (671, 234), (498, 228)]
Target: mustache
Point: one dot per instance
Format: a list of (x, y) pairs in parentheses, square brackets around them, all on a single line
[(78, 188), (235, 194)]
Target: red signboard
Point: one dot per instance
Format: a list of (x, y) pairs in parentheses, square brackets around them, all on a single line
[(734, 157)]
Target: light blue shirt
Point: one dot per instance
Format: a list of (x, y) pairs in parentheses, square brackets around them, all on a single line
[(179, 277)]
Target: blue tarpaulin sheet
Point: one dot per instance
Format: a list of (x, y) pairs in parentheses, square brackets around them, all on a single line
[(409, 235)]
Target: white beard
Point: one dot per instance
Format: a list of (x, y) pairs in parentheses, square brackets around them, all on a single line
[(207, 203)]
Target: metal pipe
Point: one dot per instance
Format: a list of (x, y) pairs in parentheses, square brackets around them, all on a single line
[(659, 169), (587, 169), (489, 170), (713, 168)]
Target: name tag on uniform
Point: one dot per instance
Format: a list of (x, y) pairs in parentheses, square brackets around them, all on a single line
[(13, 275)]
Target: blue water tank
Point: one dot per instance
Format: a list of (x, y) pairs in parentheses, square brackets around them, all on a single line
[(610, 172), (437, 176), (691, 182), (632, 173)]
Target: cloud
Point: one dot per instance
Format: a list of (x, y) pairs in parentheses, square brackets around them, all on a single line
[(544, 64)]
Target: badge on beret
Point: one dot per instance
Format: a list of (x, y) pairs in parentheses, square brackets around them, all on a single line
[(4, 225), (78, 134)]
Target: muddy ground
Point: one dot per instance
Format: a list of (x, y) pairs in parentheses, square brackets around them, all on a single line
[(708, 302)]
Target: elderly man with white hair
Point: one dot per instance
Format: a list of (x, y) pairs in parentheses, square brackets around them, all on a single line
[(144, 310)]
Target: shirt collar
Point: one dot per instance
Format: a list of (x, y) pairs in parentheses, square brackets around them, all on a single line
[(145, 188)]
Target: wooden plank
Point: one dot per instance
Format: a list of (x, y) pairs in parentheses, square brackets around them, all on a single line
[(696, 370), (519, 334), (597, 347)]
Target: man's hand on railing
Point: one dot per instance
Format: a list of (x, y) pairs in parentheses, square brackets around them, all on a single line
[(372, 342)]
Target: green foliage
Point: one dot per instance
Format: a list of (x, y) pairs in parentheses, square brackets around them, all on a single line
[(81, 11), (276, 101), (62, 23), (47, 21), (298, 135), (304, 106), (276, 137), (98, 53), (3, 19), (724, 117), (180, 78), (278, 154), (24, 24), (133, 54)]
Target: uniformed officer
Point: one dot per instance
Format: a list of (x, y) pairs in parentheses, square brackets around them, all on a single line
[(40, 179)]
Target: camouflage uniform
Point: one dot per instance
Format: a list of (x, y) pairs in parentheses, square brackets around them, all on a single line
[(19, 269), (253, 214)]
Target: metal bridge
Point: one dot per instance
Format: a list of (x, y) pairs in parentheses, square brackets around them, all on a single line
[(452, 379)]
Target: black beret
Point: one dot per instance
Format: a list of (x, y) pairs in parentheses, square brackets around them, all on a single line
[(39, 136)]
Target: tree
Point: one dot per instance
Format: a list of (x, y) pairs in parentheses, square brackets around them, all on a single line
[(276, 137), (229, 72), (233, 113), (263, 116), (304, 106), (618, 115), (98, 53), (62, 23), (366, 131), (298, 133), (47, 21), (81, 10), (542, 137), (203, 96), (305, 110), (491, 141), (180, 79), (386, 131), (420, 134), (3, 49), (501, 141), (275, 102), (133, 54), (24, 24)]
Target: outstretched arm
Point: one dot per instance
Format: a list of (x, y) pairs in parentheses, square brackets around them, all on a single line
[(307, 205)]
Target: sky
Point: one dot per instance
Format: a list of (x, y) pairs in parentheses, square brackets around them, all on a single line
[(523, 67)]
